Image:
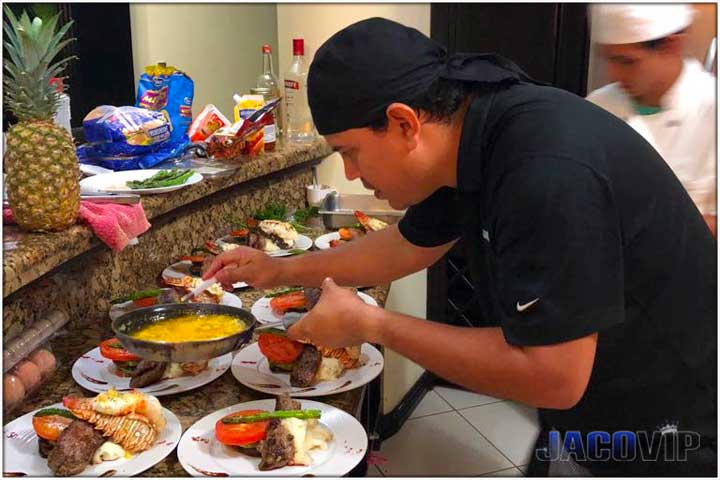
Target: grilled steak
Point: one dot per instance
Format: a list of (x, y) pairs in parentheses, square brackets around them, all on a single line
[(277, 449), (74, 449), (284, 402), (147, 373), (256, 241), (306, 366), (45, 447), (312, 296)]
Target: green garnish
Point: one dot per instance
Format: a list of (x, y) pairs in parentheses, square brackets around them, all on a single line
[(296, 251), (164, 178), (302, 215), (46, 412), (154, 292), (283, 367), (279, 414), (284, 291), (273, 331), (271, 211)]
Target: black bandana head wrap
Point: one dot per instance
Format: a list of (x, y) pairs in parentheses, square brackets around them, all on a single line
[(365, 67)]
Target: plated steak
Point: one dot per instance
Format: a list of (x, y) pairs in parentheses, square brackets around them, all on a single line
[(147, 373), (305, 367), (74, 449), (277, 449), (312, 296)]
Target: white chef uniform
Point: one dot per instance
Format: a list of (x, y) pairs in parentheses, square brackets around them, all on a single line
[(683, 131)]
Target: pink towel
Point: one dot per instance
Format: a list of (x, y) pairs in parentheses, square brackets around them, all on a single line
[(114, 224)]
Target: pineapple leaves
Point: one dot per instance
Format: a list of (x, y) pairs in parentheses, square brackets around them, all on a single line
[(31, 47)]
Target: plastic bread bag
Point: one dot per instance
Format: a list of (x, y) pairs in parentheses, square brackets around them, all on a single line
[(125, 130)]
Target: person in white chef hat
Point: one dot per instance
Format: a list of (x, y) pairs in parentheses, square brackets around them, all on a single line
[(665, 96)]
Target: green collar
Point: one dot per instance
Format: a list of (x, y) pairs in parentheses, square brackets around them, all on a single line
[(645, 110)]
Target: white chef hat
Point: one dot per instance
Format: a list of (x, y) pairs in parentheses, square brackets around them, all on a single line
[(625, 23)]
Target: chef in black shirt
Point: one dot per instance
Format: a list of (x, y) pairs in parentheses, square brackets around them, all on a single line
[(589, 256)]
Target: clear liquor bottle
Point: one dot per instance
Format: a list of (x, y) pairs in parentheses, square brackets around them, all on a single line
[(299, 125), (268, 80)]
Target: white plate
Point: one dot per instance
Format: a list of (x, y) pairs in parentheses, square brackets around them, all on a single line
[(91, 170), (264, 314), (97, 374), (302, 242), (21, 450), (119, 309), (323, 241), (182, 268), (250, 367), (115, 182), (201, 455)]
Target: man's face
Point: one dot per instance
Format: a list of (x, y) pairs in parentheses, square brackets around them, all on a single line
[(641, 71), (384, 163)]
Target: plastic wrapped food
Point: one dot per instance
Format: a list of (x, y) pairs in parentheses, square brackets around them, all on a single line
[(125, 130), (206, 123), (165, 89)]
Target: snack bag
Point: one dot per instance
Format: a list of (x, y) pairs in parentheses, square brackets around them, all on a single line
[(167, 90), (206, 123)]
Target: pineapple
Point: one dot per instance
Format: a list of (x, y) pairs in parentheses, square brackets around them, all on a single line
[(40, 161)]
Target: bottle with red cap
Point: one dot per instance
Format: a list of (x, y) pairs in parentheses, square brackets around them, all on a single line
[(298, 125)]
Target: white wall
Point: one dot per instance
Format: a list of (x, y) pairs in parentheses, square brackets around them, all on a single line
[(218, 45), (315, 23)]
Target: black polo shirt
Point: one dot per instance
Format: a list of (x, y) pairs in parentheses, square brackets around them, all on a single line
[(576, 225)]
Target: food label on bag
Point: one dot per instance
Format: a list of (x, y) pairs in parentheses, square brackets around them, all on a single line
[(154, 99)]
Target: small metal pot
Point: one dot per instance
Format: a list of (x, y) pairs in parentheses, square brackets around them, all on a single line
[(193, 351)]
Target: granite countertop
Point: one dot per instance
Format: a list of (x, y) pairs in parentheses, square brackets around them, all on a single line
[(188, 406), (27, 256)]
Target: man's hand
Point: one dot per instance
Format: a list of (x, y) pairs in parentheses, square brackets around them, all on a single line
[(245, 264), (340, 319)]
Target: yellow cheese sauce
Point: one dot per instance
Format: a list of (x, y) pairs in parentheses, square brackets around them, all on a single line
[(190, 328)]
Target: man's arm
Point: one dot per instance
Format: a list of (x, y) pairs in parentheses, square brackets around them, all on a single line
[(374, 259), (551, 376)]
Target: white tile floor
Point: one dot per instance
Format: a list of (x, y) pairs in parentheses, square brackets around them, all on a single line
[(453, 432)]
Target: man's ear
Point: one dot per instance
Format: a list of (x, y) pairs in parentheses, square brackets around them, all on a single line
[(404, 120)]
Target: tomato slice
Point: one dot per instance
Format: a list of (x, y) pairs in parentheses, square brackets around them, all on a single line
[(279, 348), (146, 302), (114, 350), (345, 234), (283, 303), (240, 434), (242, 232), (336, 243), (194, 258), (50, 427)]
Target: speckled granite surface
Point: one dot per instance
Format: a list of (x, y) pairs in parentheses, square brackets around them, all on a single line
[(190, 406), (26, 257), (84, 285)]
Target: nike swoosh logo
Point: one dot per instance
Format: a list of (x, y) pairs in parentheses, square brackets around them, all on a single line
[(525, 306)]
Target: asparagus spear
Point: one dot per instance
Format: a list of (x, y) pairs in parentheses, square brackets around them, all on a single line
[(164, 178), (284, 291), (279, 414), (137, 296)]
